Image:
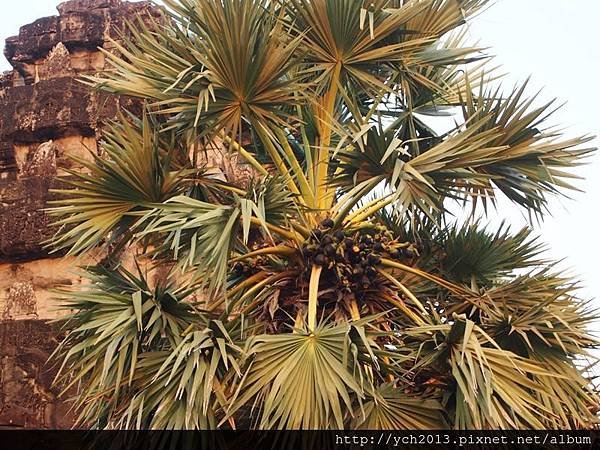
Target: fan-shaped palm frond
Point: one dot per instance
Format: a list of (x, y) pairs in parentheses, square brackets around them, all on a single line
[(218, 63), (182, 388), (472, 254), (304, 379), (116, 317), (136, 171), (532, 160), (393, 408), (203, 235), (490, 387)]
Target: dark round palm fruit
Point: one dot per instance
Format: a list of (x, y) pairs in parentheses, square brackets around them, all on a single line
[(238, 267), (400, 253), (374, 259), (320, 260), (348, 242), (339, 235), (361, 246), (326, 240), (409, 253), (370, 270), (378, 247), (357, 271), (329, 250), (367, 239), (327, 223), (317, 233)]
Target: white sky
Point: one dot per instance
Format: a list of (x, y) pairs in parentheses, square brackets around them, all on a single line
[(555, 41)]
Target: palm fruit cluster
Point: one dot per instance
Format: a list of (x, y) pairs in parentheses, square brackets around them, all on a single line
[(352, 256), (242, 269), (248, 267)]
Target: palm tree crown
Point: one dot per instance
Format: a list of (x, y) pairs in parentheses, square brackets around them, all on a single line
[(330, 287)]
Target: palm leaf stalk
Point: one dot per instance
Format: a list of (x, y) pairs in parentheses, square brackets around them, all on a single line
[(332, 289)]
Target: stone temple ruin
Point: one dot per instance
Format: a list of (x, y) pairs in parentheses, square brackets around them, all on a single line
[(45, 115)]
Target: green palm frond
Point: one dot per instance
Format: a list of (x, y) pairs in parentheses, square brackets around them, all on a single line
[(534, 161), (339, 44), (363, 45), (302, 379), (575, 404), (492, 387), (538, 316), (218, 64), (182, 388), (196, 231), (438, 22), (440, 170), (203, 235), (113, 190), (470, 253), (539, 311), (392, 408), (115, 319)]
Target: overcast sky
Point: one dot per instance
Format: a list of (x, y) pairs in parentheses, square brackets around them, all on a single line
[(555, 41)]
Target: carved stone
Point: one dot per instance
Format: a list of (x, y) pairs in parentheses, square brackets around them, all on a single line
[(46, 115)]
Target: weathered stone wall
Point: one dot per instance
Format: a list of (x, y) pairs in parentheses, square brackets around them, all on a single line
[(45, 115)]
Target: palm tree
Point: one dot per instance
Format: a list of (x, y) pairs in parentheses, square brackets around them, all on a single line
[(331, 287)]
